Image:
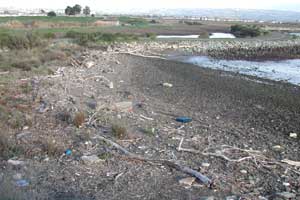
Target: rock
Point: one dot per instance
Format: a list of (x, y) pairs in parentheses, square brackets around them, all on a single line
[(125, 106), (91, 159), (187, 181), (205, 164), (167, 85), (244, 171), (15, 162), (293, 135), (92, 104), (286, 195)]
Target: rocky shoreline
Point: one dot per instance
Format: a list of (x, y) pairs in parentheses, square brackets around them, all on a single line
[(246, 49)]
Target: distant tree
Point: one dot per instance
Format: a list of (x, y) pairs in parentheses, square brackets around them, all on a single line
[(51, 14), (87, 11), (77, 9), (92, 15), (69, 11)]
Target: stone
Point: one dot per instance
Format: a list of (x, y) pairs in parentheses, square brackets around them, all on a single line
[(244, 171), (207, 198), (15, 162), (187, 181), (205, 164), (92, 104), (287, 195), (92, 159), (293, 135), (167, 85)]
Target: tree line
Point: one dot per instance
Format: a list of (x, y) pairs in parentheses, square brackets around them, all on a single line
[(76, 9)]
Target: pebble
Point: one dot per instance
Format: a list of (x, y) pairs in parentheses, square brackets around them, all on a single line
[(244, 171), (15, 162), (168, 85), (293, 135), (205, 164)]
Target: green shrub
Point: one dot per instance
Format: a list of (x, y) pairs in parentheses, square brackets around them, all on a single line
[(151, 36), (49, 35), (86, 38), (247, 31), (27, 41)]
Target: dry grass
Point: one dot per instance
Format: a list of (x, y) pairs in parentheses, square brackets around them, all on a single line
[(118, 131), (52, 147), (79, 119)]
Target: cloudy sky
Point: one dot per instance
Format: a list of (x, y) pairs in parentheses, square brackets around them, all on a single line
[(129, 4)]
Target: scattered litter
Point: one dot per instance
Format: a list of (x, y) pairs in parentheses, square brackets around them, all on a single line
[(147, 118), (125, 106), (22, 183), (3, 73), (15, 162), (277, 148), (244, 171), (286, 184), (68, 152), (291, 162), (293, 135), (187, 181), (167, 85), (183, 119), (89, 64)]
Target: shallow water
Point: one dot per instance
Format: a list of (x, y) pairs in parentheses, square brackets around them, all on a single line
[(296, 34), (177, 36), (221, 35), (284, 70)]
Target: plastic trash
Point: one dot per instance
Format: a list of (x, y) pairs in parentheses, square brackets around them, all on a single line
[(183, 119), (68, 152), (22, 183)]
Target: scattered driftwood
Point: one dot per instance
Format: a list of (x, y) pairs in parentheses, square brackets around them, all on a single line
[(75, 62), (291, 162), (144, 56), (4, 73), (251, 154), (167, 163)]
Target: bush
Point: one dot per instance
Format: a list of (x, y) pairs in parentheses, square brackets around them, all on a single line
[(85, 38), (27, 41), (51, 14), (152, 36), (246, 31)]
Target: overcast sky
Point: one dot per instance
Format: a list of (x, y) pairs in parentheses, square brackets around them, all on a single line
[(151, 4)]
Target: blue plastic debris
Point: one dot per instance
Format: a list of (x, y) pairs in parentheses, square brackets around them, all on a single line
[(183, 119), (68, 152), (22, 183)]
